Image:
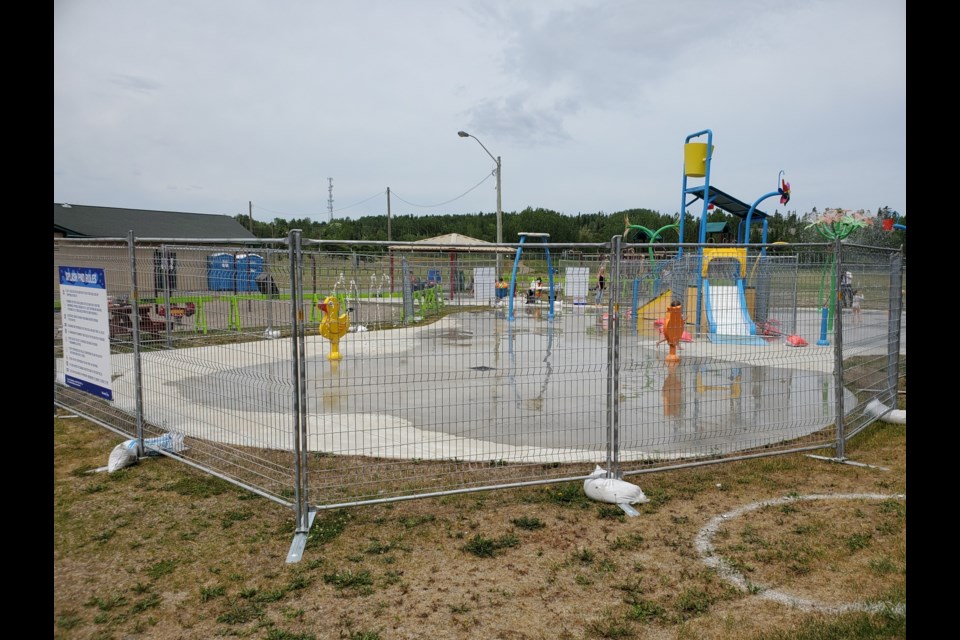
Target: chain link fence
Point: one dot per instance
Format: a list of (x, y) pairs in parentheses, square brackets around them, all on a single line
[(326, 374)]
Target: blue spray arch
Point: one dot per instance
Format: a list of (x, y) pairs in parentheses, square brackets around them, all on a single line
[(544, 238)]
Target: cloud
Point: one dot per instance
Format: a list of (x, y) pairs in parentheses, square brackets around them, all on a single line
[(208, 106)]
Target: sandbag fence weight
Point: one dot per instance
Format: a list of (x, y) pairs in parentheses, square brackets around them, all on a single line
[(484, 391)]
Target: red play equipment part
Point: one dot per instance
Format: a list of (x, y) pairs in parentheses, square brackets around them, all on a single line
[(796, 341)]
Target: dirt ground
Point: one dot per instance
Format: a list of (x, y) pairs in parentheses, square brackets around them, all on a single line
[(744, 549)]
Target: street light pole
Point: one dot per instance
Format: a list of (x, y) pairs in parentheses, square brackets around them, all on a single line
[(464, 134)]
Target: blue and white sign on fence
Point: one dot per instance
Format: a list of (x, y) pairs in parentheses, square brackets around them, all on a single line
[(86, 330)]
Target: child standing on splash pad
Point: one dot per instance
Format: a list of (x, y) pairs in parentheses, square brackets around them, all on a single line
[(536, 288), (502, 287), (857, 305)]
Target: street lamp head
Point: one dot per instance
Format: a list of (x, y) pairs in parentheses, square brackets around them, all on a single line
[(464, 134)]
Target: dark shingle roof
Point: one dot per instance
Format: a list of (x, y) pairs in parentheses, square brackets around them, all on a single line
[(81, 221)]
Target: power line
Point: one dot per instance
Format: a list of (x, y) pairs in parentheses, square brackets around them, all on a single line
[(297, 215), (393, 193), (440, 204)]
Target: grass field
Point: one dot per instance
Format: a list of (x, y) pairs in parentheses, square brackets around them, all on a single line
[(161, 551)]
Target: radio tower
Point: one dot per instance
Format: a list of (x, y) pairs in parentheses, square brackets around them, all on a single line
[(330, 198)]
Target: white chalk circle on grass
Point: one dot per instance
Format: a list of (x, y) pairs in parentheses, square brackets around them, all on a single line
[(704, 545)]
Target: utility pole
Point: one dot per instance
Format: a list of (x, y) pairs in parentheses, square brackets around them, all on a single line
[(464, 134), (330, 197), (389, 234), (250, 213), (389, 239), (499, 212)]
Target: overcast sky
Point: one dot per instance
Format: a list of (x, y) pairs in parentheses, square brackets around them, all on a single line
[(205, 106)]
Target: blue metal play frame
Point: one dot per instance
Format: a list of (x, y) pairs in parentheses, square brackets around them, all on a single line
[(544, 238), (710, 195)]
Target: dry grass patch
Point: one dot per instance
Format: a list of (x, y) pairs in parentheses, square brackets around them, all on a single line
[(160, 550)]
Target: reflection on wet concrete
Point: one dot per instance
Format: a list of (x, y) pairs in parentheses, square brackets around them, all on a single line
[(543, 383), (672, 393)]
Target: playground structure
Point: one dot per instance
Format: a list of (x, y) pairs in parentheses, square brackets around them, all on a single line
[(725, 298), (724, 290), (721, 298)]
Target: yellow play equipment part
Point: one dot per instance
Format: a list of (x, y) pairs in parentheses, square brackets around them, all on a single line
[(695, 156), (333, 325), (738, 254), (656, 308)]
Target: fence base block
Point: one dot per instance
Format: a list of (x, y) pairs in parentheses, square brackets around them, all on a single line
[(300, 540)]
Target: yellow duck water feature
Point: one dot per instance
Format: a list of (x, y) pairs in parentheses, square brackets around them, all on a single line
[(333, 326)]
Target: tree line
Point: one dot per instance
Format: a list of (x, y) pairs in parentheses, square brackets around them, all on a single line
[(583, 227)]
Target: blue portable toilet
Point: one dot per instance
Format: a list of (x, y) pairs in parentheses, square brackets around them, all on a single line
[(249, 266), (221, 272)]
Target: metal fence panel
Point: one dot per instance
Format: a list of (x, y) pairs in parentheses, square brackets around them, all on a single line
[(209, 363), (871, 322), (447, 383)]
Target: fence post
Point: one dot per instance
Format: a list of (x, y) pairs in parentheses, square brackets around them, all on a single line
[(135, 333), (165, 263), (613, 361), (893, 327), (838, 353), (303, 514)]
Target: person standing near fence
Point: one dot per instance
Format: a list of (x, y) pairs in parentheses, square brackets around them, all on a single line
[(846, 289), (601, 282)]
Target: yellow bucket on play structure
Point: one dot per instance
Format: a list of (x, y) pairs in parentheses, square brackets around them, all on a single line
[(695, 159)]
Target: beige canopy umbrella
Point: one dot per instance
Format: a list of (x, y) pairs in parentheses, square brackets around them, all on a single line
[(451, 243)]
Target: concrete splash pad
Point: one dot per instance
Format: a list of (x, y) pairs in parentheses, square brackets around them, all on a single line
[(477, 386)]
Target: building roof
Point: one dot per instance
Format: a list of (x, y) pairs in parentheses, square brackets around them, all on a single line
[(718, 227), (451, 242), (81, 221)]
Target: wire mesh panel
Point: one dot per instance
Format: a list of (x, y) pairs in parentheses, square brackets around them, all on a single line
[(402, 371), (113, 260), (226, 380), (873, 335), (448, 393), (207, 362), (773, 279), (733, 383)]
